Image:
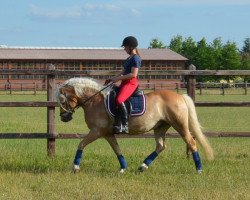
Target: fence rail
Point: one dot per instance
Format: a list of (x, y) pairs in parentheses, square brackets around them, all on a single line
[(22, 86), (82, 135), (201, 88), (51, 135)]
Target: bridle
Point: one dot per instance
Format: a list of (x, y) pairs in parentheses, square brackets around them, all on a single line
[(70, 110)]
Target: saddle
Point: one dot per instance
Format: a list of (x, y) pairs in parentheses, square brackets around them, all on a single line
[(136, 104)]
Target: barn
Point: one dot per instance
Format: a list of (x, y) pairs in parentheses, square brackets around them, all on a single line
[(67, 58)]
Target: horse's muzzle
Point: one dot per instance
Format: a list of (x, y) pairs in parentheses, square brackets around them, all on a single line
[(66, 117)]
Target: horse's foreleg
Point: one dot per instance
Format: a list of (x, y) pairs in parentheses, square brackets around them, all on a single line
[(160, 146), (92, 136), (115, 146)]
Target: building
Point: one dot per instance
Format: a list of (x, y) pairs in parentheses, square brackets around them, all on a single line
[(85, 59)]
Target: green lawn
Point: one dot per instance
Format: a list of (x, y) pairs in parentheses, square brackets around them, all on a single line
[(27, 173)]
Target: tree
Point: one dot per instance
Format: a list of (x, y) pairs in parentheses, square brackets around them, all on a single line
[(157, 44), (216, 48), (176, 44), (203, 55), (213, 56), (189, 49), (230, 57), (246, 47), (203, 58), (245, 55), (245, 62)]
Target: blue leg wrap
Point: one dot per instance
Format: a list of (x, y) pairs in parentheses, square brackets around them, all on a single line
[(122, 162), (197, 161), (78, 157), (150, 158)]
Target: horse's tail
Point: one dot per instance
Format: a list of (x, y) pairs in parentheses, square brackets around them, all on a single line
[(195, 128)]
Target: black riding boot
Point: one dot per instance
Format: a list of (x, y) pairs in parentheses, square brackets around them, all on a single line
[(117, 126), (124, 117)]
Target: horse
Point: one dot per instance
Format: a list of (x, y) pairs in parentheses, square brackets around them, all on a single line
[(164, 109)]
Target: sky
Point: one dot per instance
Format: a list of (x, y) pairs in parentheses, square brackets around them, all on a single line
[(104, 23)]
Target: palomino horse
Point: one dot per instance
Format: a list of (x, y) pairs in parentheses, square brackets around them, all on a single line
[(163, 110)]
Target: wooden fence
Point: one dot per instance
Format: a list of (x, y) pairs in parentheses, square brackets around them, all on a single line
[(32, 87), (51, 135)]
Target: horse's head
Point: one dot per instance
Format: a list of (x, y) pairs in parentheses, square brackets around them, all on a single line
[(76, 92), (68, 101)]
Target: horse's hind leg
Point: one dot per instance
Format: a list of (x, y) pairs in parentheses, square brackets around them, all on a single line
[(115, 146), (160, 135), (189, 151), (192, 146)]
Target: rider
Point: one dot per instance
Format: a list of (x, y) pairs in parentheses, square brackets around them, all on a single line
[(129, 83)]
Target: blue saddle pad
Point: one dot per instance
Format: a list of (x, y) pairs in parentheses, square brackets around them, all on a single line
[(136, 105)]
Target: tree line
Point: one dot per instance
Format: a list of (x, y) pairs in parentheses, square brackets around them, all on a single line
[(209, 56)]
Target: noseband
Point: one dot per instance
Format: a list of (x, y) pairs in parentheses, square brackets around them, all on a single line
[(70, 110)]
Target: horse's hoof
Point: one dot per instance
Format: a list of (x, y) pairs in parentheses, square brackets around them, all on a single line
[(75, 168), (143, 167), (122, 171)]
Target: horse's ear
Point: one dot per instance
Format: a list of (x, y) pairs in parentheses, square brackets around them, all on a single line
[(62, 98)]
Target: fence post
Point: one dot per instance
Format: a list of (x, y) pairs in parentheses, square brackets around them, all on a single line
[(245, 87), (51, 114), (200, 85), (34, 88), (191, 82), (10, 87), (222, 89)]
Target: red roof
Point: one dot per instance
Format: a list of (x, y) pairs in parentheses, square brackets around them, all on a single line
[(22, 53)]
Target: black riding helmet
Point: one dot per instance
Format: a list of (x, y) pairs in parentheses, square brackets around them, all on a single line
[(130, 41)]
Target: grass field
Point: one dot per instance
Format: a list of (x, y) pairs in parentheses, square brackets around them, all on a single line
[(27, 173)]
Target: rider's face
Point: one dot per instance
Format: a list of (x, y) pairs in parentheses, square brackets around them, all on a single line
[(126, 48)]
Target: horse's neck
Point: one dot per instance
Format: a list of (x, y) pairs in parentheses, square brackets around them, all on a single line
[(95, 113), (91, 99)]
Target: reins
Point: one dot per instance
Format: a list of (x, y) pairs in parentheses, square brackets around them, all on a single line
[(108, 85)]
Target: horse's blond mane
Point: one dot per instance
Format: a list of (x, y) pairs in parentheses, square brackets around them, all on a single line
[(84, 86)]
